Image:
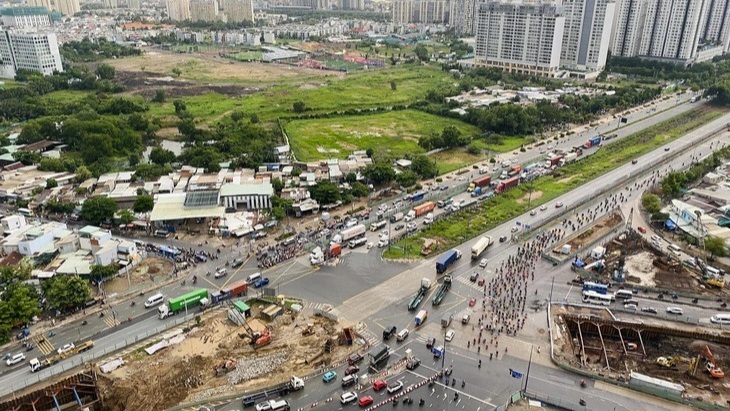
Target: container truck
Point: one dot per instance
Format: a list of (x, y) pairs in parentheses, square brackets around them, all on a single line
[(425, 285), (514, 170), (479, 182), (443, 289), (507, 184), (569, 158), (294, 384), (446, 320), (448, 258), (353, 232), (594, 141), (421, 317), (418, 196), (481, 245), (182, 302), (553, 161), (335, 250), (424, 208), (444, 203), (358, 242)]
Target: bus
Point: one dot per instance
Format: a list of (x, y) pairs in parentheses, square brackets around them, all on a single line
[(592, 297), (597, 287), (720, 319), (624, 294)]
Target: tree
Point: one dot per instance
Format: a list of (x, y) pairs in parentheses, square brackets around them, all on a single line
[(161, 156), (51, 183), (125, 216), (254, 118), (82, 174), (180, 107), (99, 273), (359, 190), (98, 209), (236, 116), (299, 107), (423, 166), (421, 52), (66, 292), (379, 173), (369, 152), (105, 72), (325, 192), (177, 72), (351, 177), (407, 178), (159, 96), (451, 137), (277, 184), (715, 246), (393, 86), (22, 301), (651, 203), (296, 171), (143, 203)]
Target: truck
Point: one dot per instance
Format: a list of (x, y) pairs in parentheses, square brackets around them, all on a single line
[(421, 317), (477, 192), (507, 184), (443, 289), (335, 250), (514, 170), (425, 285), (438, 351), (448, 258), (418, 196), (316, 257), (569, 158), (294, 384), (396, 217), (353, 232), (378, 354), (37, 365), (424, 208), (358, 242), (429, 219), (592, 142), (182, 302), (479, 182), (481, 245), (553, 161), (446, 320), (444, 203)]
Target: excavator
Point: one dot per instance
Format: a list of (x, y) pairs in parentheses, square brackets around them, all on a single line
[(258, 339), (714, 370)]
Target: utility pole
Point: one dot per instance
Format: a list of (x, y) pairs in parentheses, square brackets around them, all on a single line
[(527, 377), (552, 284)]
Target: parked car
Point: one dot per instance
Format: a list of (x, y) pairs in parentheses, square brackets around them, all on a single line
[(329, 376), (379, 385)]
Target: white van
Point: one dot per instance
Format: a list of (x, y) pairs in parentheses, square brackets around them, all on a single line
[(402, 335), (253, 278), (712, 271), (154, 300), (720, 319), (674, 248)]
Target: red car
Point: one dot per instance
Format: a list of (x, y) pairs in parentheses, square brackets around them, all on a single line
[(642, 230), (481, 282), (472, 302), (365, 401), (379, 385)]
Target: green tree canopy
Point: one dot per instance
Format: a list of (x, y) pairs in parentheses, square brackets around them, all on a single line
[(143, 203), (64, 293), (22, 300), (651, 203), (715, 246), (379, 173), (161, 156), (325, 192), (96, 210), (105, 72), (407, 178), (359, 190), (424, 166)]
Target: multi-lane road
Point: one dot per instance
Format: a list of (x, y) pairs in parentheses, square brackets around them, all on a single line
[(365, 288)]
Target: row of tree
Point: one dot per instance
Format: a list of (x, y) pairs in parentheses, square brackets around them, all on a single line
[(97, 50)]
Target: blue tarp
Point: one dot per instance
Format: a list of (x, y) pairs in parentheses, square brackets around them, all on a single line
[(579, 263), (670, 225)]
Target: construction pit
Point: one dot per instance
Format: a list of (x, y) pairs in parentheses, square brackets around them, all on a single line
[(217, 359), (593, 341)]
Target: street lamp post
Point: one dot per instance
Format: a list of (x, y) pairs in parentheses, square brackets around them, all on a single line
[(527, 377)]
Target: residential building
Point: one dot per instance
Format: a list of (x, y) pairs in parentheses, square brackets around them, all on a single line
[(203, 10), (34, 239), (12, 223), (67, 7), (40, 3), (30, 51), (401, 11), (520, 38), (21, 17), (716, 29), (178, 10), (351, 4), (110, 4), (628, 27), (587, 34), (133, 4), (238, 10), (674, 32), (464, 18)]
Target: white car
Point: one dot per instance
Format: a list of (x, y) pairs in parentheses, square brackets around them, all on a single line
[(393, 387), (515, 229), (15, 359), (675, 310), (221, 272), (263, 406), (348, 396), (66, 348), (383, 234), (483, 263), (450, 335), (558, 204), (411, 227), (543, 207), (382, 242), (350, 223), (533, 212)]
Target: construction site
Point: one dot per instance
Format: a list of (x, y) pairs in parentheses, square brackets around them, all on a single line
[(681, 361), (220, 355)]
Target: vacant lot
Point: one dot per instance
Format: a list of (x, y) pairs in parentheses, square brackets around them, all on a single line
[(395, 131)]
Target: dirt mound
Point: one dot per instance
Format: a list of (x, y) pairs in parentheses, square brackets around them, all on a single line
[(147, 84)]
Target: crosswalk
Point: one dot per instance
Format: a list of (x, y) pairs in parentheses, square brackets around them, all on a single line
[(110, 319), (371, 339), (473, 285), (43, 345)]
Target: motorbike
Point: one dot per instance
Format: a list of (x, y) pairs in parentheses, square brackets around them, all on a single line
[(582, 402), (582, 383), (195, 279), (695, 301), (101, 315), (723, 305), (431, 384), (421, 402), (132, 304), (51, 334), (84, 322), (29, 347)]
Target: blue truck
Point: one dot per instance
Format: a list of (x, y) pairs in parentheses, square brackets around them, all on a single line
[(448, 258), (593, 142), (477, 192)]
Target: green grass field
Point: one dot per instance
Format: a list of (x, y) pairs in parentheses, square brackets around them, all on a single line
[(246, 56), (395, 131)]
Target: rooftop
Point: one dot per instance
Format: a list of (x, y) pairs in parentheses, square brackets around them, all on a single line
[(247, 189), (171, 207)]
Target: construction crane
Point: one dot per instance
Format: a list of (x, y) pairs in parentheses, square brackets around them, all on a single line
[(712, 368)]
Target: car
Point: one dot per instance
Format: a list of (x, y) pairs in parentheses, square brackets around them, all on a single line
[(630, 307), (502, 238), (399, 227), (450, 335), (666, 148), (379, 385), (413, 363), (350, 223), (634, 161), (515, 229), (365, 401), (558, 204), (480, 282), (430, 341), (395, 386), (354, 358), (348, 396), (472, 302), (383, 234), (352, 369), (237, 263), (543, 207), (66, 348), (411, 227), (370, 245), (382, 242), (263, 406), (533, 213), (444, 188), (221, 272), (473, 277), (675, 310), (329, 376), (642, 230), (261, 282), (15, 359)]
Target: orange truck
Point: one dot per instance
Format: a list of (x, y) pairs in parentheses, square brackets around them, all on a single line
[(424, 208)]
